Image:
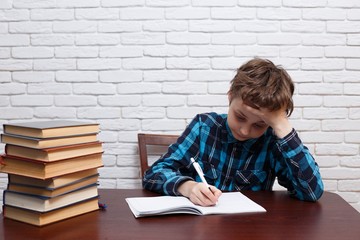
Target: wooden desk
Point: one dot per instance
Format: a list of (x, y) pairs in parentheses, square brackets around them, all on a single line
[(286, 218)]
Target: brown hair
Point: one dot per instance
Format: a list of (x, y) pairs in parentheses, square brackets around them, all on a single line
[(260, 83)]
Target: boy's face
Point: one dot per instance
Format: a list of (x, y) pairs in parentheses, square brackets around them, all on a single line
[(243, 124)]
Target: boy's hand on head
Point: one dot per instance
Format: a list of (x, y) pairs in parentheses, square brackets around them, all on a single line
[(277, 120), (199, 193)]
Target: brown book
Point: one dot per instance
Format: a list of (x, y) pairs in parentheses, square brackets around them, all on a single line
[(53, 128), (52, 192), (45, 204), (47, 142), (45, 170), (55, 182), (54, 153), (44, 218)]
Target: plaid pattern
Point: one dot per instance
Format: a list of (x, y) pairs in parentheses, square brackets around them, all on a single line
[(233, 165)]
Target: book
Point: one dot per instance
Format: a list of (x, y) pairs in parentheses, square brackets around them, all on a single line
[(44, 170), (52, 192), (32, 142), (54, 182), (53, 128), (229, 203), (44, 204), (54, 153), (45, 218)]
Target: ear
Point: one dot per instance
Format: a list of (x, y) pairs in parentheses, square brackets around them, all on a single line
[(229, 97)]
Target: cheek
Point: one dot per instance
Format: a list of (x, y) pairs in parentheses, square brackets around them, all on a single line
[(258, 132)]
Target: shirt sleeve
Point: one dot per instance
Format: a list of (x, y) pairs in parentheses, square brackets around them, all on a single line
[(173, 168), (297, 170)]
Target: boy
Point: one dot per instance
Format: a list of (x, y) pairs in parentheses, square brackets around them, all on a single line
[(243, 150)]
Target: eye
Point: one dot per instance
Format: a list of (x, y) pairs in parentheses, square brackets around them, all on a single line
[(259, 126)]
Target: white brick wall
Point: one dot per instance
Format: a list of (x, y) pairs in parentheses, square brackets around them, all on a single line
[(151, 65)]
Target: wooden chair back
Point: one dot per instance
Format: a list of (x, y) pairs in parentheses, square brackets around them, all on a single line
[(146, 140)]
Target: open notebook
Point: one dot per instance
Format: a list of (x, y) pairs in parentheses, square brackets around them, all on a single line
[(229, 203)]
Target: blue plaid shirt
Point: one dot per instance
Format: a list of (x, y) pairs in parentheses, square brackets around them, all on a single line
[(233, 165)]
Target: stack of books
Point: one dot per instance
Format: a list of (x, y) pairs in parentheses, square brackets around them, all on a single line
[(52, 169)]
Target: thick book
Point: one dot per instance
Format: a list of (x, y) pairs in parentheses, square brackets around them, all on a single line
[(229, 203), (47, 142), (45, 204), (54, 182), (45, 218), (53, 128), (44, 170), (54, 153), (52, 192)]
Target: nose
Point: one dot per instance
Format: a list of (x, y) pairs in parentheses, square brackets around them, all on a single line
[(244, 130)]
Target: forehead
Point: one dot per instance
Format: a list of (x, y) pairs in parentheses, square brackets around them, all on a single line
[(242, 109)]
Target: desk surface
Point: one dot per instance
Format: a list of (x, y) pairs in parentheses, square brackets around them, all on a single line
[(286, 218)]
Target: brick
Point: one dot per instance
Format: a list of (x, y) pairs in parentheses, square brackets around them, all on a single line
[(210, 51), (341, 125), (211, 76), (340, 173), (279, 13), (78, 4), (188, 63), (76, 52), (32, 52), (116, 76), (187, 38), (163, 100), (142, 38), (119, 52), (31, 100), (165, 3), (353, 64), (302, 52), (99, 64), (5, 77), (52, 14), (75, 101), (257, 26), (165, 75), (94, 88), (214, 3), (165, 26), (77, 76), (322, 137), (342, 101), (12, 88), (185, 112), (14, 15), (342, 27), (218, 88), (325, 113), (342, 52), (353, 39), (210, 26), (97, 39), (120, 124), (140, 14), (98, 113), (30, 27), (143, 112), (51, 112), (17, 113), (5, 53), (323, 40), (117, 3), (136, 88), (208, 100), (320, 88), (352, 137), (185, 88), (342, 76), (187, 13), (233, 13), (279, 39), (350, 161), (49, 88), (323, 14), (120, 101), (307, 101), (354, 113), (120, 26), (7, 40), (323, 64), (97, 14), (162, 125), (351, 88), (349, 185), (129, 183), (15, 65), (304, 3), (261, 51), (54, 64), (337, 149), (52, 39), (165, 51), (74, 27), (144, 63)]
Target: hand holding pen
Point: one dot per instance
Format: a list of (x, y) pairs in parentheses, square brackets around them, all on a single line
[(213, 194)]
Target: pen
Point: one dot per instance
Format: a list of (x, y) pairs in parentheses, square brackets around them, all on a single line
[(199, 172)]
